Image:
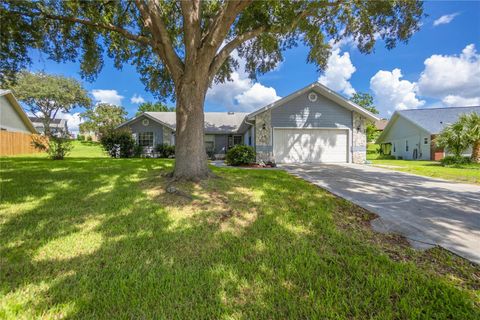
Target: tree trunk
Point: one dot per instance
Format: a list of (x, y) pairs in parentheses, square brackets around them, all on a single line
[(476, 152), (190, 154)]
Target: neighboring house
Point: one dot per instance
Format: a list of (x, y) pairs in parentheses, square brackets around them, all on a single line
[(380, 125), (15, 128), (410, 134), (313, 124), (57, 126)]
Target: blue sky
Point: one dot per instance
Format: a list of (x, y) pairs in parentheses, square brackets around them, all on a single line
[(439, 67)]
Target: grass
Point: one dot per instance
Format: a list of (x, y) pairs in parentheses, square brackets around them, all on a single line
[(100, 238), (469, 173)]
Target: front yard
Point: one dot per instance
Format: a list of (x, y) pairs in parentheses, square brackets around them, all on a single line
[(469, 173), (100, 238)]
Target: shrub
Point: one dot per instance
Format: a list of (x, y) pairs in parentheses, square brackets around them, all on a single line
[(165, 150), (240, 154), (453, 160), (80, 137), (56, 148), (89, 138), (137, 150), (118, 143)]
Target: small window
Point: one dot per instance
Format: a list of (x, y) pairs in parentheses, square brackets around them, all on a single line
[(425, 140), (250, 140), (394, 149), (406, 145), (237, 140), (145, 139)]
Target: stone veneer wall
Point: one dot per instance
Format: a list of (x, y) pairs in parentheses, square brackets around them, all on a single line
[(167, 135), (359, 139), (263, 137)]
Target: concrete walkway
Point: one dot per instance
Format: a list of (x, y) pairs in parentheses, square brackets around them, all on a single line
[(426, 211)]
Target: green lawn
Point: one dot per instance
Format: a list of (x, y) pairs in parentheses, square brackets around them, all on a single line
[(464, 173), (99, 238)]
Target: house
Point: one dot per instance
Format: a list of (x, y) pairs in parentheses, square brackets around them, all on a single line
[(15, 128), (410, 134), (57, 126), (380, 125), (313, 124)]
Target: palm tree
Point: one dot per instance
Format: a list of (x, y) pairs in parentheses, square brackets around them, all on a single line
[(453, 138), (471, 124)]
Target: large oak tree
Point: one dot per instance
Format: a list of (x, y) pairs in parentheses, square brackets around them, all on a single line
[(180, 47)]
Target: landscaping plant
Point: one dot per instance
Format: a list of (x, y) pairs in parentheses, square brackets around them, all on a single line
[(165, 150), (56, 147), (119, 143), (240, 154)]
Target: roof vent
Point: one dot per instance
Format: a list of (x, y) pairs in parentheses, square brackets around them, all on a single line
[(231, 112)]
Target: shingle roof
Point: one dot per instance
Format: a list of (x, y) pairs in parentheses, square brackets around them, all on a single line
[(215, 122), (381, 124), (435, 119), (40, 120)]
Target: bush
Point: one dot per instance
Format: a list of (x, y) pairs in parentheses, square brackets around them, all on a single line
[(89, 138), (56, 148), (240, 154), (453, 160), (165, 150), (119, 143), (80, 137)]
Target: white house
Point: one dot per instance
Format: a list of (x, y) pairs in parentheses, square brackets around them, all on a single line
[(410, 134)]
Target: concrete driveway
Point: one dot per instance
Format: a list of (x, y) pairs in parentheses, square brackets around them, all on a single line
[(426, 211)]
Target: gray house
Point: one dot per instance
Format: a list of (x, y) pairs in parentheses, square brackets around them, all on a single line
[(313, 124), (57, 126), (410, 134), (12, 116)]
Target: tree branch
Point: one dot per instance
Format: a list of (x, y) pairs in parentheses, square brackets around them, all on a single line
[(191, 12), (106, 26), (229, 47), (154, 22), (222, 23)]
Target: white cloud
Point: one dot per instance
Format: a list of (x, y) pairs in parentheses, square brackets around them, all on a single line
[(452, 79), (73, 121), (339, 71), (457, 101), (107, 96), (445, 19), (241, 94), (137, 99), (392, 93)]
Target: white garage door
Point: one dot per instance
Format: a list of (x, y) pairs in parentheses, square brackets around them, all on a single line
[(310, 145)]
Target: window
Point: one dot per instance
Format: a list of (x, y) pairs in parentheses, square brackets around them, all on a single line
[(425, 140), (250, 140), (145, 139), (394, 149), (237, 140), (406, 145)]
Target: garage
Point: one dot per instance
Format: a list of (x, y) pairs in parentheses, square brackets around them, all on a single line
[(310, 145)]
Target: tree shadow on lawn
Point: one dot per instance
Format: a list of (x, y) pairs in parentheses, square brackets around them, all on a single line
[(107, 242)]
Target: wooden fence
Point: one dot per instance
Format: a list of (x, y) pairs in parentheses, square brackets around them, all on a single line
[(12, 143)]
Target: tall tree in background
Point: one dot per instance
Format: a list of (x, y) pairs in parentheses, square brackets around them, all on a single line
[(365, 100), (102, 118), (181, 47), (46, 95), (153, 107)]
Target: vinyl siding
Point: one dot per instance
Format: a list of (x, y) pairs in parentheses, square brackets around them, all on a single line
[(137, 127), (9, 118), (302, 113), (402, 131)]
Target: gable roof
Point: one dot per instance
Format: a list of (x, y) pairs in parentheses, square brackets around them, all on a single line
[(381, 124), (324, 91), (215, 122), (55, 123), (16, 106), (432, 120)]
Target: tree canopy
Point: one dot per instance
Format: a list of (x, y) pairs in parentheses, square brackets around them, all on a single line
[(180, 47), (153, 107), (102, 117), (46, 95)]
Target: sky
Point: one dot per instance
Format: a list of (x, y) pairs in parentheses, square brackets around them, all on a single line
[(438, 67)]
